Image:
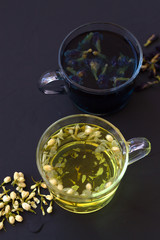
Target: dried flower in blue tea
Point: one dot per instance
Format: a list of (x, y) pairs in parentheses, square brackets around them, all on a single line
[(99, 60)]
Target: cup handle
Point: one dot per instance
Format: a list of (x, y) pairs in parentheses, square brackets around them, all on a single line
[(138, 148), (52, 83)]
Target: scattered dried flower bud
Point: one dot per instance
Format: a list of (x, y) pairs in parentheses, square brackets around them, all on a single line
[(21, 185), (24, 194), (13, 195), (6, 198), (16, 205), (18, 189), (53, 181), (49, 197), (109, 138), (33, 204), (19, 218), (47, 168), (21, 179), (49, 209), (1, 225), (7, 209), (43, 185), (1, 204), (21, 174), (16, 176), (44, 202), (33, 186), (32, 194), (26, 206), (7, 179), (36, 200), (43, 212), (3, 213), (88, 186), (11, 220)]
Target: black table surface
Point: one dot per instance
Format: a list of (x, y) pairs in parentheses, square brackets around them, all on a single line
[(30, 36)]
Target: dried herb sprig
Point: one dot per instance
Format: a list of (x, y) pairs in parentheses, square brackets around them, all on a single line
[(151, 65), (150, 40), (17, 200)]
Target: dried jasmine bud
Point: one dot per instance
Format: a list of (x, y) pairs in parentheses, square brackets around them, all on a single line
[(49, 209), (7, 209), (1, 224), (6, 198), (33, 204), (16, 176), (11, 220), (36, 200), (21, 179), (26, 206), (24, 194), (31, 195), (1, 204), (16, 205), (43, 185), (13, 195), (21, 185), (18, 218), (7, 179)]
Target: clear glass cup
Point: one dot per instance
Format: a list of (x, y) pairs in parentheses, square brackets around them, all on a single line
[(131, 151), (95, 101)]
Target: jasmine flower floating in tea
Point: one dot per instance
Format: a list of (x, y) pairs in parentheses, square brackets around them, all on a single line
[(84, 162)]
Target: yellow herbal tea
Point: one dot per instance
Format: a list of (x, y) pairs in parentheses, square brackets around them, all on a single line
[(81, 160)]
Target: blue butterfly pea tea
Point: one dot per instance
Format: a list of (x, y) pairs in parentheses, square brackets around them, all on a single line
[(99, 60), (98, 63)]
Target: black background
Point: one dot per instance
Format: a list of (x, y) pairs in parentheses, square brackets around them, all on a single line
[(30, 35)]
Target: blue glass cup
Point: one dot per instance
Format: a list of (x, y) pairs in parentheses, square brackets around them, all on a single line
[(95, 101)]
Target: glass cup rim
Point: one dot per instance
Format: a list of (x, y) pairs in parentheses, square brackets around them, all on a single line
[(101, 91), (115, 183)]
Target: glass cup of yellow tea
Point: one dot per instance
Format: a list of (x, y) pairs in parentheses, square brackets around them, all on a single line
[(82, 159)]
